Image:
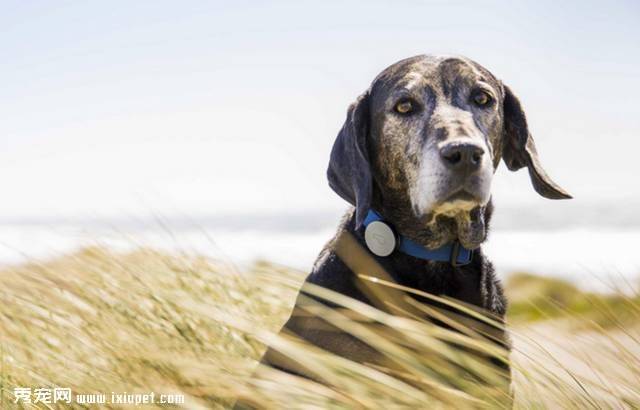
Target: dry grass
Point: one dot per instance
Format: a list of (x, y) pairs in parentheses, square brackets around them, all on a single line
[(99, 322)]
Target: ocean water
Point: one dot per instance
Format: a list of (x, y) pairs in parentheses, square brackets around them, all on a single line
[(601, 256)]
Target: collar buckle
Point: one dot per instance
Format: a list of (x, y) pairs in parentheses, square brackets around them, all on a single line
[(455, 252)]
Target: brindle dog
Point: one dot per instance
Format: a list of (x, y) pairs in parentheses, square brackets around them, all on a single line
[(420, 147)]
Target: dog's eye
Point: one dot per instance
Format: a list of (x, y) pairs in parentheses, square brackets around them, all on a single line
[(404, 107), (481, 98)]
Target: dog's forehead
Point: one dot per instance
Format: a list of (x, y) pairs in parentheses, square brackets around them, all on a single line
[(438, 72)]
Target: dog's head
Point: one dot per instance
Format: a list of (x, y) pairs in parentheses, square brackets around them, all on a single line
[(422, 144)]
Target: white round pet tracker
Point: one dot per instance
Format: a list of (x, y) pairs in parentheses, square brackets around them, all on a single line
[(380, 238)]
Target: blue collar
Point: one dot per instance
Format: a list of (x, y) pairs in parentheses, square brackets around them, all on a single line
[(454, 252)]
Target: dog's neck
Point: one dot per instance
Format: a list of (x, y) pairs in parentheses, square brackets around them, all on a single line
[(382, 239), (426, 275)]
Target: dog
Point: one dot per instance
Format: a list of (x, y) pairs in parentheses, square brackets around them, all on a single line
[(415, 158)]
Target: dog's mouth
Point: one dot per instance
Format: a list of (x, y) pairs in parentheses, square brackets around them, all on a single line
[(461, 201), (462, 195), (468, 193)]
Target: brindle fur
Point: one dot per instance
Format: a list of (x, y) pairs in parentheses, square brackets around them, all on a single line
[(376, 161)]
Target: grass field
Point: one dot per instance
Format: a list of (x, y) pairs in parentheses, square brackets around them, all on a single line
[(102, 322)]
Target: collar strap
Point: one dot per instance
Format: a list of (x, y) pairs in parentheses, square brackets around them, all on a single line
[(382, 240)]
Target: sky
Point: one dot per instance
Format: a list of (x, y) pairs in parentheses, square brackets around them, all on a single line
[(220, 108)]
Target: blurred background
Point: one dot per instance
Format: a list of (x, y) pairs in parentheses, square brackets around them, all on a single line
[(206, 127)]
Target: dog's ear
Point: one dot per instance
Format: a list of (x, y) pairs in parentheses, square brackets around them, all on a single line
[(349, 171), (519, 149)]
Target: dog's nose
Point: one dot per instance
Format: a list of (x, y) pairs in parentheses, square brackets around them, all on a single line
[(462, 155)]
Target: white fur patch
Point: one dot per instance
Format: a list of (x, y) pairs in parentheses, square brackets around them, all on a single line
[(423, 193)]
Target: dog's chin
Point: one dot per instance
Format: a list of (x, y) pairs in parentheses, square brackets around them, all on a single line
[(471, 228), (460, 217)]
